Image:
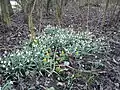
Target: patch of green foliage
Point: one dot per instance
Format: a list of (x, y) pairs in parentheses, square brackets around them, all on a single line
[(7, 86), (50, 52)]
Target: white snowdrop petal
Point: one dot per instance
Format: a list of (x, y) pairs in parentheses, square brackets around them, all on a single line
[(66, 63), (3, 66)]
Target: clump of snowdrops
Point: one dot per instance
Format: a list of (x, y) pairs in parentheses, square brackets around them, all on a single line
[(49, 51)]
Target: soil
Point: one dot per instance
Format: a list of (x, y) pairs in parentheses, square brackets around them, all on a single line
[(12, 37)]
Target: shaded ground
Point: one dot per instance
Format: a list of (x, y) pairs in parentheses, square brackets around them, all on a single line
[(12, 37)]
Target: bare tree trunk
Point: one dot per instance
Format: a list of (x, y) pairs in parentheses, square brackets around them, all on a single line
[(10, 8), (115, 8), (30, 20), (48, 6), (105, 10), (40, 14), (59, 7), (5, 12)]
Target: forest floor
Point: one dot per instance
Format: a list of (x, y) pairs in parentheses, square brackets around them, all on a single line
[(12, 37)]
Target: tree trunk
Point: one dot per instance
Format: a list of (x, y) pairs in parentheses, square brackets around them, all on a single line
[(10, 8), (5, 12)]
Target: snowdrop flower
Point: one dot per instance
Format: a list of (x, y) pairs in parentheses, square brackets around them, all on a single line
[(26, 52), (18, 54), (81, 57), (49, 26), (6, 69), (66, 63), (8, 63), (5, 52), (3, 66), (29, 53), (100, 60), (4, 55), (17, 51), (23, 56), (11, 55), (95, 56), (20, 64), (11, 82), (12, 68), (32, 59), (88, 45), (37, 53), (4, 62), (28, 60), (82, 65)]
